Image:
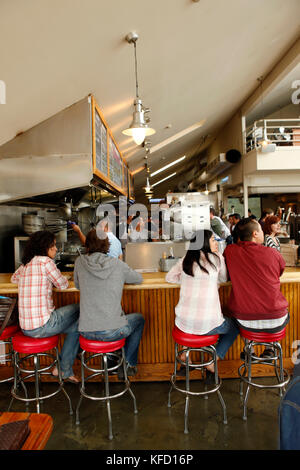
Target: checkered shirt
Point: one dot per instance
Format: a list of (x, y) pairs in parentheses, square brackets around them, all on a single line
[(35, 283)]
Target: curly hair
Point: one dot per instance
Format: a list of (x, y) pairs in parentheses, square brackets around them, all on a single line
[(270, 220), (38, 245)]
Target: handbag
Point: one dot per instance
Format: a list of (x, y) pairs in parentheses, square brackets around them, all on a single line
[(8, 312)]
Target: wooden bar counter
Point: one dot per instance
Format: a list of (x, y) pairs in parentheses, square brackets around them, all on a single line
[(156, 300)]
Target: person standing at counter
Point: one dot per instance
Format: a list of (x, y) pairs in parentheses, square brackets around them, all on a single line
[(272, 228), (38, 317), (219, 227), (255, 299), (100, 279), (198, 311), (115, 247)]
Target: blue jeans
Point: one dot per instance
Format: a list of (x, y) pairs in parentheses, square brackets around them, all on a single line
[(62, 320), (228, 331), (132, 332)]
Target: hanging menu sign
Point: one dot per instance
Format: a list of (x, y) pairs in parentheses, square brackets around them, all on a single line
[(125, 177), (115, 164), (131, 186), (108, 163), (101, 144)]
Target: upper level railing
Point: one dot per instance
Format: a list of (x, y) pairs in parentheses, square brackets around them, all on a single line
[(282, 132)]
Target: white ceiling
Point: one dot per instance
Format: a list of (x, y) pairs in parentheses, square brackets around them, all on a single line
[(196, 61)]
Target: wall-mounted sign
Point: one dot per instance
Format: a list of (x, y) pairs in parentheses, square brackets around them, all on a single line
[(108, 162)]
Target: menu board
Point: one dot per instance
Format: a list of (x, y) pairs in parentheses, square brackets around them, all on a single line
[(125, 177), (115, 164), (101, 145), (108, 163), (131, 186)]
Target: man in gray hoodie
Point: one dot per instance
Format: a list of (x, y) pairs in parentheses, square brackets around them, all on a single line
[(100, 279)]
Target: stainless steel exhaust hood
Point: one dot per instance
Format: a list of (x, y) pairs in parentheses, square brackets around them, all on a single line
[(53, 156)]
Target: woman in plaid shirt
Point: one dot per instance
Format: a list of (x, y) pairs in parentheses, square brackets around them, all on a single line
[(38, 317), (198, 311)]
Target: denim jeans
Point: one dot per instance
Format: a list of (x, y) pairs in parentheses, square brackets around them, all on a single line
[(62, 320), (132, 332), (228, 331)]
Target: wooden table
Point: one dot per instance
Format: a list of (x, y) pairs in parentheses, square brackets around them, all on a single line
[(41, 426)]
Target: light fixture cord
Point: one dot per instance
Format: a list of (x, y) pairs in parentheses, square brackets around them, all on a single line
[(136, 76)]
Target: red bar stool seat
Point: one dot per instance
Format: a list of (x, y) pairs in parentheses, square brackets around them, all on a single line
[(203, 344), (6, 342), (271, 341), (28, 366), (105, 350)]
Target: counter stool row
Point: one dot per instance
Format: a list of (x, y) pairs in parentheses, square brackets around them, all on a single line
[(37, 348)]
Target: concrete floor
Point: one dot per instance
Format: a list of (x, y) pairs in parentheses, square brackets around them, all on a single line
[(157, 427)]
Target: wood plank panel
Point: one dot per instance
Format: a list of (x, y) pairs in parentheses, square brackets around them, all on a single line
[(157, 305)]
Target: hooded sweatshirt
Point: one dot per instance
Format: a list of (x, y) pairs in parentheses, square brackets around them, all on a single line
[(100, 279)]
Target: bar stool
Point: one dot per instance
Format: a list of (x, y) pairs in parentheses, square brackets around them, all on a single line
[(35, 348), (101, 349), (202, 344), (6, 341), (245, 370)]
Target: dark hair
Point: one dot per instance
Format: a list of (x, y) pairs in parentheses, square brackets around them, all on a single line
[(193, 255), (96, 242), (270, 220), (244, 229), (212, 211), (38, 245), (236, 216), (266, 212)]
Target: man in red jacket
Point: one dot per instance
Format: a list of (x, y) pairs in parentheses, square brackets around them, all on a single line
[(256, 300)]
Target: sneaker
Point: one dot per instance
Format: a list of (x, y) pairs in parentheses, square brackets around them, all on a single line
[(181, 372), (210, 378), (268, 354), (112, 362), (131, 371), (243, 354)]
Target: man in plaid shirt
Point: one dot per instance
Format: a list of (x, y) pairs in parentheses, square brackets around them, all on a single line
[(38, 317)]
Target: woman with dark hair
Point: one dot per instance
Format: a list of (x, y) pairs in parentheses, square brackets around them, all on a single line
[(198, 311), (271, 228), (100, 279), (37, 315)]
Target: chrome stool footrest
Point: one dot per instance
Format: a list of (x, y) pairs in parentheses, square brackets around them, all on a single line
[(6, 357), (23, 373), (201, 366), (245, 369), (104, 371)]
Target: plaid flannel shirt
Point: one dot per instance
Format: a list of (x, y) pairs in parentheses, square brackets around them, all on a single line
[(35, 283)]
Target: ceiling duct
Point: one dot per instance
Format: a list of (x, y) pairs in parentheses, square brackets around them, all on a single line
[(273, 189), (52, 158)]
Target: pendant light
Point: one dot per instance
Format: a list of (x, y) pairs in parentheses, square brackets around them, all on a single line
[(138, 129)]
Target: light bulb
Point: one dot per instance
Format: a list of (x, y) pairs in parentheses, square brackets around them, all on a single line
[(138, 135)]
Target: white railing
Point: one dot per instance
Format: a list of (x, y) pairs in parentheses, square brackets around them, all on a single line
[(282, 132)]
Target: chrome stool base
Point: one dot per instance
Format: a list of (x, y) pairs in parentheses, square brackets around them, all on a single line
[(7, 356), (211, 351), (245, 370), (104, 372), (22, 374)]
